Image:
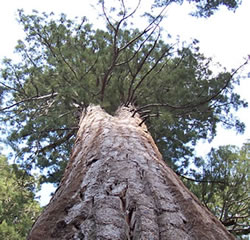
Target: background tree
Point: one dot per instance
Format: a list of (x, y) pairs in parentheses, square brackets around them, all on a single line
[(223, 186), (18, 209)]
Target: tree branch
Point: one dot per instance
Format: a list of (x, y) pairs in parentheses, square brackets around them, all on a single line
[(51, 95), (59, 142), (117, 50), (243, 231), (201, 181), (188, 106)]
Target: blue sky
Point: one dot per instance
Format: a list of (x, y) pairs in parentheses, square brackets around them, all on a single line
[(225, 37)]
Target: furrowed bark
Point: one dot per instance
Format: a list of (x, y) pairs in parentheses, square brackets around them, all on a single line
[(116, 186)]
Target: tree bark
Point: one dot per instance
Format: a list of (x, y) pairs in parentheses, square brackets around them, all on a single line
[(116, 186)]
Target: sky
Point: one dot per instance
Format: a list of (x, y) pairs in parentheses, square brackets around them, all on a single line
[(225, 37)]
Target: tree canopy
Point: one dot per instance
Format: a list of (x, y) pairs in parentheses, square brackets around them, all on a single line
[(67, 64)]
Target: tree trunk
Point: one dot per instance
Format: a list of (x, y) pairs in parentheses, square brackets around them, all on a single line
[(116, 186)]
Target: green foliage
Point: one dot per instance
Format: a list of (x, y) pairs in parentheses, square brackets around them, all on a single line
[(224, 186), (66, 65), (18, 209), (204, 8)]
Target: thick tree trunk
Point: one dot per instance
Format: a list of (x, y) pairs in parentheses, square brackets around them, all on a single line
[(116, 186)]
